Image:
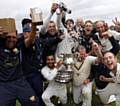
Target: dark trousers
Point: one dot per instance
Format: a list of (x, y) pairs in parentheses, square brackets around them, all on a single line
[(35, 79), (18, 89)]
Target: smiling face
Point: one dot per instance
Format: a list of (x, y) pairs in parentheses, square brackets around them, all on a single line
[(11, 40), (79, 22), (51, 28), (69, 25), (100, 27), (110, 60), (88, 27), (82, 53), (50, 61)]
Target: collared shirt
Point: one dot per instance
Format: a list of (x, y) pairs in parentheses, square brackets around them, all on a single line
[(82, 72)]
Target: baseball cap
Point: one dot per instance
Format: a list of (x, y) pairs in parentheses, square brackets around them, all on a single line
[(25, 21)]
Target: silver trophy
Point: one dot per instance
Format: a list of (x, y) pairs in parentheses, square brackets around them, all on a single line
[(66, 75), (36, 15)]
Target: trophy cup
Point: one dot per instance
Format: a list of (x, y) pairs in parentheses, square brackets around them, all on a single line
[(66, 75), (36, 15)]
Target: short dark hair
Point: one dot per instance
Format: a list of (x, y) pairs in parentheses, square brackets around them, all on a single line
[(71, 20), (50, 54)]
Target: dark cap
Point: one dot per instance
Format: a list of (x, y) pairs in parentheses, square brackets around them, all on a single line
[(25, 21)]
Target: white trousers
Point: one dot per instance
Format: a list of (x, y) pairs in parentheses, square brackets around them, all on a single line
[(83, 93), (50, 91), (110, 89)]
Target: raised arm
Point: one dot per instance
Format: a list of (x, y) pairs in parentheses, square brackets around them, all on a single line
[(60, 25), (97, 50), (116, 47), (44, 27)]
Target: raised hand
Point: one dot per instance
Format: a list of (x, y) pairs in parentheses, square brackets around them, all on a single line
[(117, 24), (54, 7), (115, 21)]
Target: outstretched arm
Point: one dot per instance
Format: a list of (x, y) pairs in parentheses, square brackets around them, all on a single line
[(97, 50), (44, 27)]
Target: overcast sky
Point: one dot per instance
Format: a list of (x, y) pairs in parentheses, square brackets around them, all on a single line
[(88, 9)]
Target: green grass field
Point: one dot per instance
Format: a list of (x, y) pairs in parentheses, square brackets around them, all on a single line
[(95, 101)]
